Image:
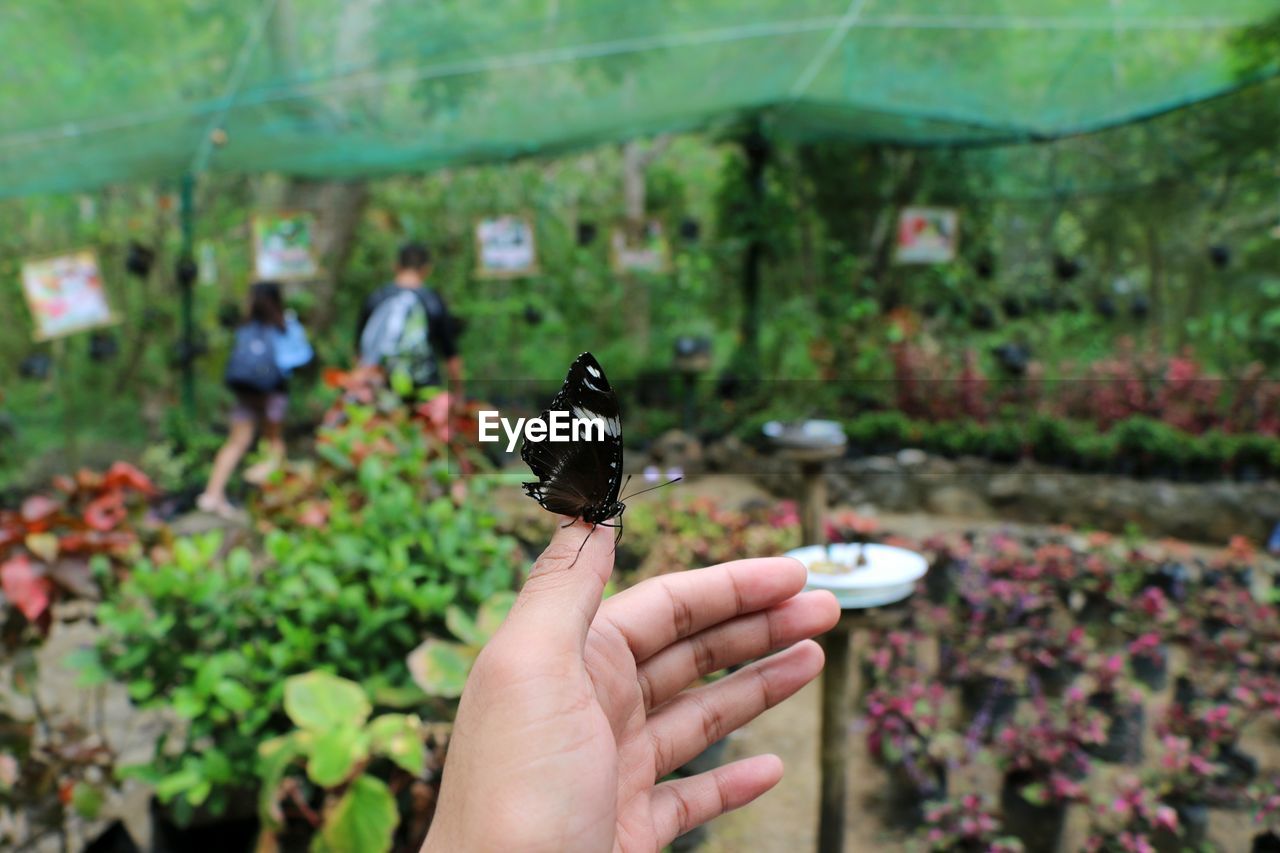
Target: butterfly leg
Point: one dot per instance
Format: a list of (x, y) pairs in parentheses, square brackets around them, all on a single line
[(618, 537), (594, 525)]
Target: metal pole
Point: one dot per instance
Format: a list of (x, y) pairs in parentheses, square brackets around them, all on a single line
[(186, 212), (832, 756), (756, 147)]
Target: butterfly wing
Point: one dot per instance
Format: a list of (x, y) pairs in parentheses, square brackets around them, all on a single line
[(580, 478)]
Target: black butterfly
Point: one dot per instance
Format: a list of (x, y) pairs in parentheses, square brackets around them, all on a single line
[(582, 478)]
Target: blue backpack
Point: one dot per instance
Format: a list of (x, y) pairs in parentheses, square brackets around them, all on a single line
[(252, 366)]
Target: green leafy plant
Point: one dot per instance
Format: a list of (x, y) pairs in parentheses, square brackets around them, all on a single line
[(337, 745), (366, 563), (440, 667)]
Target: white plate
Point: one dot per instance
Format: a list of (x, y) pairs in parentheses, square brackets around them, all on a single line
[(890, 573)]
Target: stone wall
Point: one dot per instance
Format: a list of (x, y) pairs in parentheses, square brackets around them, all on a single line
[(914, 481)]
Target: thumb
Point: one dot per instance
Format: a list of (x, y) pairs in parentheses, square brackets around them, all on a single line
[(562, 593)]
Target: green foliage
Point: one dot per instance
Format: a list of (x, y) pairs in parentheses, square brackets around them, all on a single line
[(212, 636), (440, 667), (335, 741)]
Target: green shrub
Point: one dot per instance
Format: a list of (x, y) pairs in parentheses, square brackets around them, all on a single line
[(351, 586)]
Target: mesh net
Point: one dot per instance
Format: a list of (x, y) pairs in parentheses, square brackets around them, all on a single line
[(94, 92)]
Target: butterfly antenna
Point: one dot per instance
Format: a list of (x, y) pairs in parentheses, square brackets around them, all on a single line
[(651, 488)]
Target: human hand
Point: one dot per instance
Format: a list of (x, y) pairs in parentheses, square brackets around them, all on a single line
[(576, 708)]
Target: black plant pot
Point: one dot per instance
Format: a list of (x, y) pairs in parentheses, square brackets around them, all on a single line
[(939, 581), (1239, 768), (1054, 681), (1172, 579), (1267, 842), (1038, 827), (989, 701), (1185, 692), (1193, 827), (1151, 670), (1124, 732), (1095, 610), (907, 795)]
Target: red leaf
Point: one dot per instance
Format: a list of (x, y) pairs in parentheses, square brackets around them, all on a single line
[(105, 512), (38, 508), (65, 484), (124, 475), (28, 590)]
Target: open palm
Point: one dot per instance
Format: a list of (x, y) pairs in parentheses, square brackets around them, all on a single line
[(576, 709)]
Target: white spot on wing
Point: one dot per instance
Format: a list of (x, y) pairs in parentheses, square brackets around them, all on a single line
[(593, 371)]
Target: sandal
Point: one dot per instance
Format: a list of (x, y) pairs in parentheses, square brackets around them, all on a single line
[(215, 506)]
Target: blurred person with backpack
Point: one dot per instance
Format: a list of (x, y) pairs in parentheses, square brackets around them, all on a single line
[(406, 329), (268, 346)]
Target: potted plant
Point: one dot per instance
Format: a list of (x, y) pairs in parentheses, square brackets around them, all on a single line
[(888, 655), (1044, 760), (1149, 660), (1266, 814), (1122, 705), (904, 736), (966, 825), (1054, 656), (1130, 820), (1183, 780)]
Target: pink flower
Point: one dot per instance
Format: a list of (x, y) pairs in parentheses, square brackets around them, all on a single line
[(1167, 818)]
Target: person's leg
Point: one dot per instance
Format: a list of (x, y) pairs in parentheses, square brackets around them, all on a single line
[(273, 435), (238, 443)]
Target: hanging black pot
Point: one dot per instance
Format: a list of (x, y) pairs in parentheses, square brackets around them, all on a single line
[(229, 316), (152, 318), (690, 229), (1038, 827), (1140, 307), (1012, 358), (985, 266), (1066, 269), (1220, 256), (982, 317), (103, 346), (586, 233), (139, 259), (36, 366), (186, 271)]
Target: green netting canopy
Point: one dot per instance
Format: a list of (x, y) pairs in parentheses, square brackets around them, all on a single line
[(105, 91)]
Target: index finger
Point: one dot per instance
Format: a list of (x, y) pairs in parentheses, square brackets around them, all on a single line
[(657, 612)]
